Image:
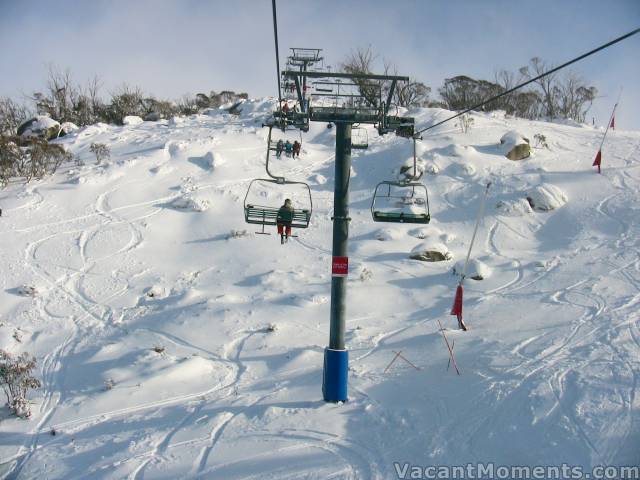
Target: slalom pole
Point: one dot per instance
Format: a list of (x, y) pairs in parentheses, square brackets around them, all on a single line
[(598, 161), (457, 303)]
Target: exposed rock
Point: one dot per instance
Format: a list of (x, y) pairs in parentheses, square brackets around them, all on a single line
[(152, 117), (430, 253), (515, 146), (40, 126)]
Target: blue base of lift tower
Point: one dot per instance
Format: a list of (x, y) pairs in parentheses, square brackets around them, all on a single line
[(334, 378)]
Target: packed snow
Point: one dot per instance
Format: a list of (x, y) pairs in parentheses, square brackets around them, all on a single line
[(175, 342)]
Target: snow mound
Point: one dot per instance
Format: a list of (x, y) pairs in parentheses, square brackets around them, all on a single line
[(546, 197), (131, 120), (174, 149), (156, 292), (69, 127), (214, 160), (455, 150), (462, 169), (318, 179), (514, 208), (188, 202), (476, 269), (512, 138), (174, 121), (388, 234)]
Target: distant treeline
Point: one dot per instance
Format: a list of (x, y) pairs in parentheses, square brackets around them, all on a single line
[(555, 96), (64, 100)]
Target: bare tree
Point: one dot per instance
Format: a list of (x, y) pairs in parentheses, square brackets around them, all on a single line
[(547, 85), (360, 62), (12, 114)]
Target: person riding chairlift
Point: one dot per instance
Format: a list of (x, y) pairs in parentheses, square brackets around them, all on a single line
[(283, 221), (288, 148), (279, 148), (296, 149)]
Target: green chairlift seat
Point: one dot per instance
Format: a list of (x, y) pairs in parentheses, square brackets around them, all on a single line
[(402, 194), (268, 214), (359, 138)]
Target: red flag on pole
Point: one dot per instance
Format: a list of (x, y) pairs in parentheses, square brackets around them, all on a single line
[(457, 307), (598, 160), (613, 123)]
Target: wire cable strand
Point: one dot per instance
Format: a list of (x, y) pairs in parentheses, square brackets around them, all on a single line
[(275, 35)]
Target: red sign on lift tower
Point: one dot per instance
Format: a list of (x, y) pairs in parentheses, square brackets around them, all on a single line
[(340, 267)]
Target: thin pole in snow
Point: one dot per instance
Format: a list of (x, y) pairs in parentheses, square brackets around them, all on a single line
[(475, 230)]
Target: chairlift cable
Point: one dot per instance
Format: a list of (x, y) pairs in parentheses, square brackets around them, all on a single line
[(517, 87), (275, 35)]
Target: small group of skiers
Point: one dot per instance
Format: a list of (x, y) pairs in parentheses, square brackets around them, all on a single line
[(290, 149)]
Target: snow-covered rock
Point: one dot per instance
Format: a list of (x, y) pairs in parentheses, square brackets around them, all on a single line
[(68, 127), (188, 202), (546, 197), (515, 146), (40, 126), (476, 269), (430, 252), (131, 120), (514, 208), (387, 234)]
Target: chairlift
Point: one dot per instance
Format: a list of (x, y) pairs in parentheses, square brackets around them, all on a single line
[(359, 138), (405, 201), (259, 209)]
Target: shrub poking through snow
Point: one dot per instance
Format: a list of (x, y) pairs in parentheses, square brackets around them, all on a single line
[(238, 234), (465, 122), (101, 151), (29, 158), (541, 141), (16, 380)]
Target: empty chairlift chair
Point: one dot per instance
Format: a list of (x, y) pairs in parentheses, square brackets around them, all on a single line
[(405, 201), (359, 138)]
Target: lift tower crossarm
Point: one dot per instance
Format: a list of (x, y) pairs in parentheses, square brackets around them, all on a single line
[(364, 76)]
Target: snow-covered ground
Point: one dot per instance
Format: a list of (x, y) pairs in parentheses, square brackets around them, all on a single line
[(152, 307)]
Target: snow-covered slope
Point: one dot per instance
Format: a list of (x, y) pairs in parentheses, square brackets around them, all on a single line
[(173, 342)]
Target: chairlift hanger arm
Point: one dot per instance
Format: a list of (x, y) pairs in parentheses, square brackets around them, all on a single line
[(390, 96)]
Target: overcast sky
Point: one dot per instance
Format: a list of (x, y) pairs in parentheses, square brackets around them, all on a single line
[(170, 48)]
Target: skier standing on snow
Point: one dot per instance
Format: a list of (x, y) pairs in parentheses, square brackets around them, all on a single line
[(283, 221)]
